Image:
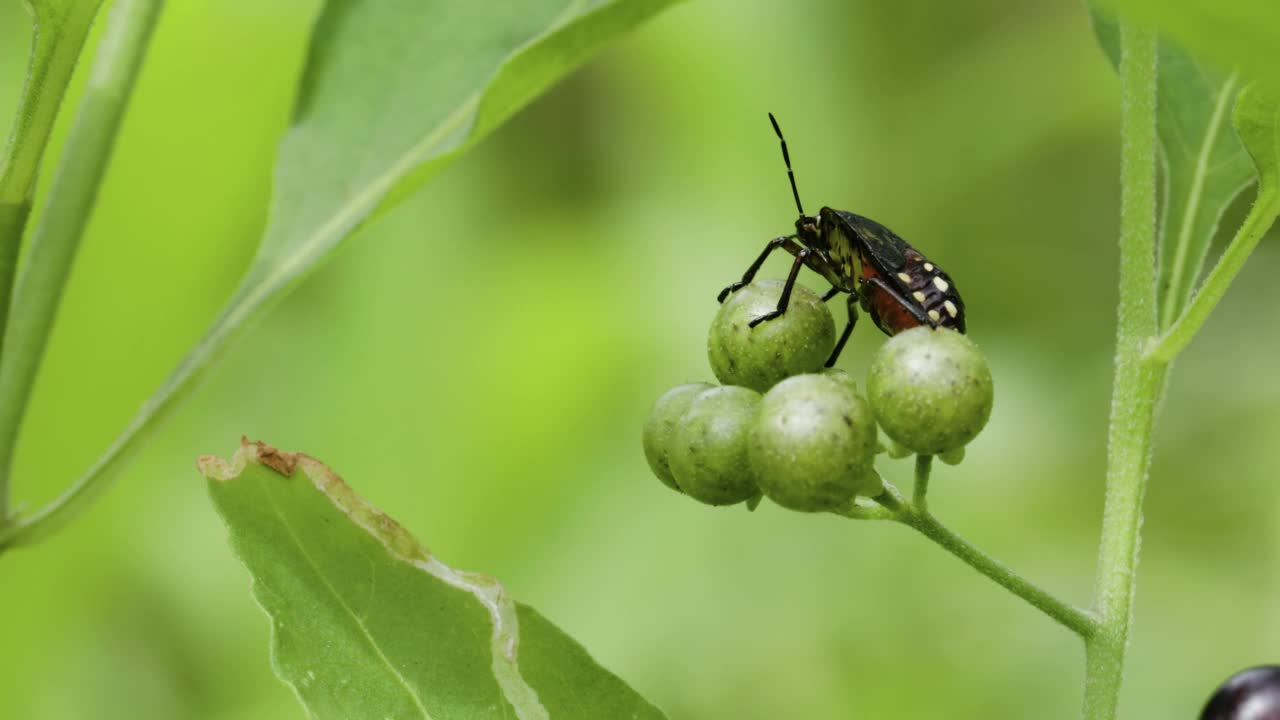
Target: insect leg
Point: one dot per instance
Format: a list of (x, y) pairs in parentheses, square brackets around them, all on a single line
[(830, 293), (909, 306), (848, 330), (786, 289), (788, 243)]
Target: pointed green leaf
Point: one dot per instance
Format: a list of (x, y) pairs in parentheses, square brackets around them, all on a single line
[(1257, 121), (398, 88), (367, 624), (1204, 165), (393, 91), (1243, 33)]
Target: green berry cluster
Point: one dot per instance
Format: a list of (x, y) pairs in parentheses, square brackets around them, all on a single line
[(805, 437)]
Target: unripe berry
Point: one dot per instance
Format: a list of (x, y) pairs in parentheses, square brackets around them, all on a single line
[(798, 341), (708, 451), (813, 443), (841, 375), (931, 390), (952, 457), (660, 427)]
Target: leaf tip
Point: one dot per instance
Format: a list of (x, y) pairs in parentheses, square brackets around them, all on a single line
[(215, 468), (263, 454)]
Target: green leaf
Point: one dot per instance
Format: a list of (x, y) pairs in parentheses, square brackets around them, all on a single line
[(368, 624), (1257, 121), (1205, 167), (393, 91), (1243, 33)]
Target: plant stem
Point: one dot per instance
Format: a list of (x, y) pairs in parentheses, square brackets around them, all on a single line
[(924, 463), (854, 511), (1260, 219), (1139, 381), (13, 219), (1073, 618), (71, 199), (57, 38)]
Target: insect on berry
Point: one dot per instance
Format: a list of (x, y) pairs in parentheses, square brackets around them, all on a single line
[(895, 283)]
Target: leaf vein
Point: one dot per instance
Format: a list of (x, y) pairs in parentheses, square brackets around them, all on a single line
[(284, 521), (1179, 270)]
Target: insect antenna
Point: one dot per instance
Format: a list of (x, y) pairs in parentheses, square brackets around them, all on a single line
[(786, 157)]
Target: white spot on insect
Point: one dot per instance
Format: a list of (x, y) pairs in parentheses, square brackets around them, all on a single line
[(928, 267), (940, 284), (934, 315), (904, 278), (919, 296), (951, 308)]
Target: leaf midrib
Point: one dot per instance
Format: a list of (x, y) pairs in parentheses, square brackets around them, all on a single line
[(373, 643), (1199, 178), (235, 316)]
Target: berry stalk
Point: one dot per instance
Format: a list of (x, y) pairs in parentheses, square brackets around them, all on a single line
[(919, 496), (1079, 621)]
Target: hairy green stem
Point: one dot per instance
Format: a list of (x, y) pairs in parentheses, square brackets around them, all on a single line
[(854, 511), (13, 219), (75, 187), (1260, 219), (1139, 381), (58, 34), (1073, 618), (924, 463)]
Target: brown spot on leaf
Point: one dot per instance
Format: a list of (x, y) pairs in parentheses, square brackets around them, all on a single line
[(282, 462)]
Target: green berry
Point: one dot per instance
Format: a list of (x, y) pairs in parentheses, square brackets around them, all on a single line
[(952, 457), (798, 341), (813, 443), (708, 451), (872, 484), (896, 451), (931, 390), (841, 375), (661, 424)]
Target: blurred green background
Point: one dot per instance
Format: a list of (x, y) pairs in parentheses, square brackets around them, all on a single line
[(485, 380)]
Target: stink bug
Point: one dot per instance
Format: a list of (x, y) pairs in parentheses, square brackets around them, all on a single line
[(897, 285)]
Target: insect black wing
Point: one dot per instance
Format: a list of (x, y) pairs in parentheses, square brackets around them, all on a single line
[(879, 244)]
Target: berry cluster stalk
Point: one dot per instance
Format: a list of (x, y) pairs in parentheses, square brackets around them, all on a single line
[(915, 516), (1139, 379)]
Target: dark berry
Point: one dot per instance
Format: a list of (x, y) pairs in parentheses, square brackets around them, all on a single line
[(1252, 694)]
